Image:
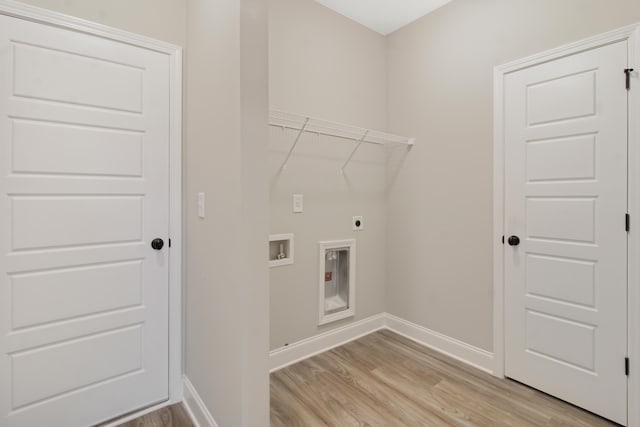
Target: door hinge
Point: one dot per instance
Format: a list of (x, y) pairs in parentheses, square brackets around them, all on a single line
[(626, 366), (169, 242), (627, 222), (627, 73)]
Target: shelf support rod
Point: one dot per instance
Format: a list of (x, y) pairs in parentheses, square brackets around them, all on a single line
[(304, 126), (354, 150)]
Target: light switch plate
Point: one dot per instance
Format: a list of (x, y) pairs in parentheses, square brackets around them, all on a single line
[(298, 203), (201, 205)]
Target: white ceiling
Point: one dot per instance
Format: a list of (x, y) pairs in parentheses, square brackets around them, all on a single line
[(383, 16)]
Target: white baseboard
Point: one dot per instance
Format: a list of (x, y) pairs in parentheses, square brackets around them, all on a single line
[(196, 407), (466, 353), (285, 356), (452, 347)]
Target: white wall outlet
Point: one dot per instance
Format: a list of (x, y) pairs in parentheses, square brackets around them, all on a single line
[(201, 205), (298, 203), (357, 223)]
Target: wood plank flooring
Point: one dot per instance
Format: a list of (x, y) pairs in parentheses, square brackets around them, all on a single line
[(169, 416), (384, 379)]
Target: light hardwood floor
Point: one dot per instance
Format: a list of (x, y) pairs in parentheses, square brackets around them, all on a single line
[(169, 416), (384, 379)]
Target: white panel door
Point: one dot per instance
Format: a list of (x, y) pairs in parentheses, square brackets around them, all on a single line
[(84, 143), (566, 200)]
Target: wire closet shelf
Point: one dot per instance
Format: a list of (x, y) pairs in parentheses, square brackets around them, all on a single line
[(302, 124)]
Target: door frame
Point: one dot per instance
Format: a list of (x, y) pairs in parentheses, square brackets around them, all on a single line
[(46, 17), (631, 34)]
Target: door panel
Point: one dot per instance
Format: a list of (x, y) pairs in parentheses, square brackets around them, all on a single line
[(562, 279), (43, 148), (571, 158), (60, 221), (566, 198), (561, 219), (109, 355), (85, 290), (84, 142), (574, 96), (47, 73), (571, 342)]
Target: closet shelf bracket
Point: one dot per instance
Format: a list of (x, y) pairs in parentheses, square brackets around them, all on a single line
[(354, 151), (304, 126)]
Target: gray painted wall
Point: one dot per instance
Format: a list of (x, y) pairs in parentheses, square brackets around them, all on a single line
[(168, 24), (227, 315), (440, 89), (325, 65)]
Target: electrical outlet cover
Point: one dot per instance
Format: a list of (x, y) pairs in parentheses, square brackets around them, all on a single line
[(357, 223)]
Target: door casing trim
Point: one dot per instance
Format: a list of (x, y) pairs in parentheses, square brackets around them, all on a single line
[(36, 14), (631, 34)]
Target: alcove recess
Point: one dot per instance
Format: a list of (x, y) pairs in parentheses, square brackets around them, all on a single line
[(280, 250), (337, 281)]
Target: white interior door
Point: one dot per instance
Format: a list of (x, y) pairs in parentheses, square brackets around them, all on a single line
[(84, 143), (566, 200)]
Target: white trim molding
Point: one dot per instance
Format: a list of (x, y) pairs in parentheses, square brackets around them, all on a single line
[(293, 353), (631, 35), (27, 12), (473, 356), (176, 249), (349, 310), (456, 349), (36, 14), (633, 292), (195, 407)]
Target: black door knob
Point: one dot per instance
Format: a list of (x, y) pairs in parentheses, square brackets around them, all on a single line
[(514, 241), (157, 244)]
